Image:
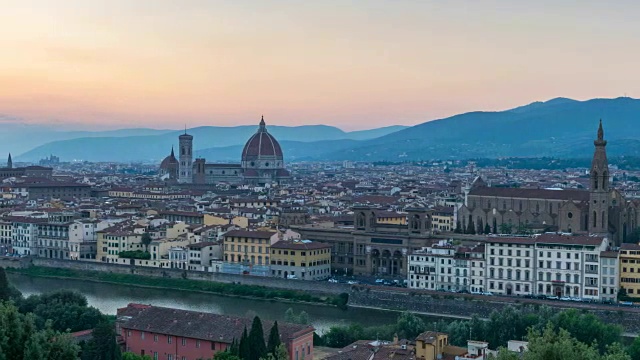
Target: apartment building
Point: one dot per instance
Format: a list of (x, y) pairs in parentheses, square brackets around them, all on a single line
[(609, 275), (442, 219), (478, 269), (433, 267), (510, 265), (569, 265), (201, 254), (248, 247), (113, 240), (5, 234), (53, 236), (549, 264), (630, 269), (24, 234), (301, 259)]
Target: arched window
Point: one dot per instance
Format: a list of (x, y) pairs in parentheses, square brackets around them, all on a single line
[(595, 181), (595, 221), (603, 219)]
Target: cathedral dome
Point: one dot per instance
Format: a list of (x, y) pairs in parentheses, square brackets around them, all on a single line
[(169, 161), (262, 145), (170, 166)]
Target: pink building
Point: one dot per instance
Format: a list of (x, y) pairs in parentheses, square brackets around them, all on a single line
[(173, 334)]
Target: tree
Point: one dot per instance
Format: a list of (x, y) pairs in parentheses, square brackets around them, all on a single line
[(244, 346), (257, 347), (34, 348), (102, 345), (146, 240), (634, 236), (223, 355), (487, 229), (634, 349), (281, 353), (471, 228), (5, 288), (480, 227), (409, 325), (506, 228), (458, 229), (274, 338)]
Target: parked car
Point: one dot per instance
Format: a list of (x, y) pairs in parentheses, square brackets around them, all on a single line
[(565, 298), (379, 281), (334, 281), (487, 293), (352, 282), (552, 297)]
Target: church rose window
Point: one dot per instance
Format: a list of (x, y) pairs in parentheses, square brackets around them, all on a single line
[(570, 215)]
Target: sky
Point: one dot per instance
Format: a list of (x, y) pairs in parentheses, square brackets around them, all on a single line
[(352, 64)]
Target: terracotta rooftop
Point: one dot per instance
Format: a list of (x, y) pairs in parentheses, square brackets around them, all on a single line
[(198, 325)]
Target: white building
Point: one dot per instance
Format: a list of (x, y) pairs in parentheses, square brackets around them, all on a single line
[(24, 233), (510, 265), (202, 254), (549, 264), (178, 257), (432, 267), (609, 275)]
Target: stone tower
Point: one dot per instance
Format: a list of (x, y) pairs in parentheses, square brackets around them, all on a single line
[(599, 192), (185, 175), (10, 162)]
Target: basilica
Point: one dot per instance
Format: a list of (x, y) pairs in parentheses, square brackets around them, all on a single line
[(601, 210), (261, 163)]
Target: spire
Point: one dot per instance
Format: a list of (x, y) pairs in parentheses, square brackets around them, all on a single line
[(172, 155), (9, 162), (185, 129), (600, 141), (600, 132), (263, 126)]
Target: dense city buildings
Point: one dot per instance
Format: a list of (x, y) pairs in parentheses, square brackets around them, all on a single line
[(441, 225)]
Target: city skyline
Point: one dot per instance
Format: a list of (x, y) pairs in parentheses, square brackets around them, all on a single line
[(162, 64)]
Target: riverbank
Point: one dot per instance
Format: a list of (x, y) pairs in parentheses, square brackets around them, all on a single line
[(218, 288)]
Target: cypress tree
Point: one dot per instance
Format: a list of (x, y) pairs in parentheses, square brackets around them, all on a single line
[(471, 228), (243, 347), (234, 348), (256, 339), (274, 339), (5, 290)]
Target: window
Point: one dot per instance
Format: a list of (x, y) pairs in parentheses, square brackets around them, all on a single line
[(155, 338), (198, 344), (170, 357), (142, 335), (184, 341), (169, 339)]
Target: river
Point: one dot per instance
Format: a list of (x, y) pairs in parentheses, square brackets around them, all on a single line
[(109, 297)]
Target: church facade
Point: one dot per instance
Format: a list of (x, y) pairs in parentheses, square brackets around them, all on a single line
[(600, 210), (262, 162)]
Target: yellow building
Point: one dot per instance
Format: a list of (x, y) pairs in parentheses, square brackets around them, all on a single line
[(390, 217), (442, 219), (248, 247), (112, 241), (301, 259), (630, 269), (431, 345)]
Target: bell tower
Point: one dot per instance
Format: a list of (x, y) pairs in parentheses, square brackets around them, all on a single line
[(599, 192), (185, 143)]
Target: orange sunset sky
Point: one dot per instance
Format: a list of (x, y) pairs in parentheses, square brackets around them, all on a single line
[(352, 64)]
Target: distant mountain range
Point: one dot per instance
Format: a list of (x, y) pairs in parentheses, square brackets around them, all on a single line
[(560, 127), (212, 142)]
